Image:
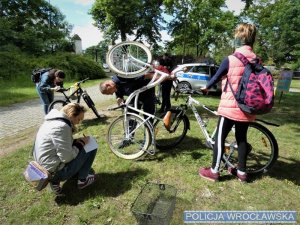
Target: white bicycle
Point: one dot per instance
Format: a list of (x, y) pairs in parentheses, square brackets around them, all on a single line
[(130, 136)]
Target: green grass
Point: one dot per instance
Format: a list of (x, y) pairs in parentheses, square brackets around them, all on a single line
[(119, 181), (295, 84), (22, 90)]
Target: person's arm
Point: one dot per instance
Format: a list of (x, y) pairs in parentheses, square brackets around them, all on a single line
[(120, 89), (223, 70), (46, 84)]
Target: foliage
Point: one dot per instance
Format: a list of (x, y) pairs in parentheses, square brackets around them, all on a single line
[(98, 53), (199, 26), (75, 66), (33, 26), (279, 32), (21, 65), (118, 18)]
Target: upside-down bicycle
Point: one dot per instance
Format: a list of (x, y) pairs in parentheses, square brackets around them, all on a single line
[(129, 60)]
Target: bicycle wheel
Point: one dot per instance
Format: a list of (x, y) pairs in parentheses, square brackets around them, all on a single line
[(90, 103), (129, 136), (262, 149), (127, 59), (58, 104), (166, 139)]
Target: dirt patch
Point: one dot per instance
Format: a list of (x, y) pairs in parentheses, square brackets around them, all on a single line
[(12, 143)]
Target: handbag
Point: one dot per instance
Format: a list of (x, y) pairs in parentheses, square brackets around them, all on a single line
[(37, 175)]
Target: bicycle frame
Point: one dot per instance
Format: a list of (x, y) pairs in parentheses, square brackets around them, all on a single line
[(135, 95), (78, 91)]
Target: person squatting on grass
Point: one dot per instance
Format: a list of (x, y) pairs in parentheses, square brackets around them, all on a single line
[(229, 111), (57, 151), (50, 81)]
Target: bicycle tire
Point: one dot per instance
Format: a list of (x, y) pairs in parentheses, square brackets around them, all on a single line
[(90, 103), (58, 104), (263, 150), (119, 59), (136, 145), (166, 139)]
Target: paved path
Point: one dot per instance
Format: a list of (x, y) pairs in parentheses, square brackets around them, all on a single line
[(21, 116)]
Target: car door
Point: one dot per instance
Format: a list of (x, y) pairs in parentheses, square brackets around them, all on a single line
[(198, 76)]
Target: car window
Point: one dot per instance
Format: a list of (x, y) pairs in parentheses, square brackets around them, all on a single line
[(200, 69)]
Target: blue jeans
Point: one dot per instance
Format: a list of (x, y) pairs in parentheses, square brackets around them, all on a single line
[(81, 165), (46, 97)]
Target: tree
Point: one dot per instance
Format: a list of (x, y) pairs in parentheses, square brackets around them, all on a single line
[(119, 18), (33, 26), (98, 52), (199, 25), (279, 29)]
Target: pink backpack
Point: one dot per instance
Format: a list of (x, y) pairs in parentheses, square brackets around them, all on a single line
[(255, 93)]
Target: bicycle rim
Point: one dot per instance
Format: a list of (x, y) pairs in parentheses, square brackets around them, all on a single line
[(166, 139), (263, 149), (58, 104), (90, 104), (121, 59), (130, 146)]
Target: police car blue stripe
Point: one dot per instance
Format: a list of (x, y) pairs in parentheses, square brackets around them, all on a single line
[(195, 77)]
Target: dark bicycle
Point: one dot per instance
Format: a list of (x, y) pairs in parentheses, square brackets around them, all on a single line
[(75, 94)]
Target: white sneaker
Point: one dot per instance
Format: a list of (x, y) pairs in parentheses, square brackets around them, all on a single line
[(88, 181)]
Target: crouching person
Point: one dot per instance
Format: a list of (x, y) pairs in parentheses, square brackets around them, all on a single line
[(56, 150)]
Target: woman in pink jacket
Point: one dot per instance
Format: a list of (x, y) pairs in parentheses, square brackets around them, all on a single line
[(230, 114)]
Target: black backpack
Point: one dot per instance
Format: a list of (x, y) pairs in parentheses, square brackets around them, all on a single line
[(37, 73)]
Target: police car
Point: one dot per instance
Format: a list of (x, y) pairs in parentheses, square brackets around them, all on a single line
[(196, 75)]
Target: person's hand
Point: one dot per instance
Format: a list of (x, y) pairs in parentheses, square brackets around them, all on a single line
[(56, 88), (204, 90), (172, 77), (120, 101), (84, 140)]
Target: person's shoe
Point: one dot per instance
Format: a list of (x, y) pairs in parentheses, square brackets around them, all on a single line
[(55, 186), (124, 143), (208, 174), (86, 182), (241, 177)]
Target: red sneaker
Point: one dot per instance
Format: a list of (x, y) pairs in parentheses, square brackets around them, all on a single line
[(208, 174), (240, 177)]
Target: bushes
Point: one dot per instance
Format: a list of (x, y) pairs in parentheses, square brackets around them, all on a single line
[(15, 65), (75, 66)]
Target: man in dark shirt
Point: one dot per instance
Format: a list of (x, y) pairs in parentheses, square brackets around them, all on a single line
[(124, 87)]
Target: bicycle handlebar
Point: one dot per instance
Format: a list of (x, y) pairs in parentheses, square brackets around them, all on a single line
[(185, 90), (63, 90), (82, 81)]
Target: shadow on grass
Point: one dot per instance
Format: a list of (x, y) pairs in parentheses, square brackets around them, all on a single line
[(106, 184), (286, 169), (185, 147), (283, 169), (95, 122)]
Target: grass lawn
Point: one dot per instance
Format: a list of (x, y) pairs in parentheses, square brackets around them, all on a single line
[(23, 90), (109, 200)]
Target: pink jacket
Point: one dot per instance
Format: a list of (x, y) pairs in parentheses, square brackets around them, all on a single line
[(228, 106)]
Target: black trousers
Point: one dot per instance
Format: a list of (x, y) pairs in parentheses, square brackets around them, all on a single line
[(223, 128), (166, 87)]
